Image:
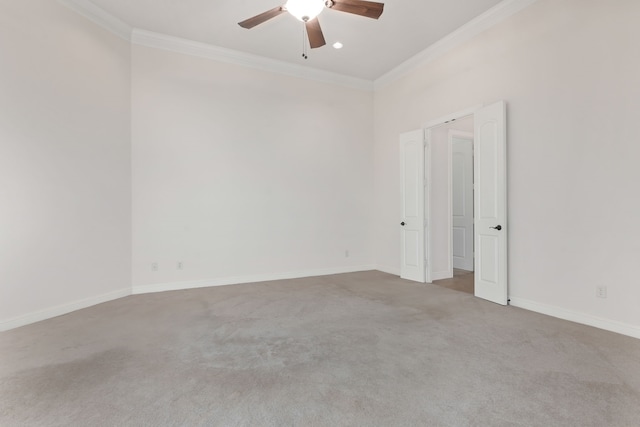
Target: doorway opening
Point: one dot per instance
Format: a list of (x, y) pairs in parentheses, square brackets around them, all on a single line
[(451, 207), (418, 259)]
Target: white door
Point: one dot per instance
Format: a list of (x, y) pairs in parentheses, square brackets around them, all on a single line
[(462, 200), (490, 181), (412, 237)]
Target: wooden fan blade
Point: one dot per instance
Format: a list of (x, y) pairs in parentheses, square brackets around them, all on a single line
[(316, 38), (370, 9), (263, 17)]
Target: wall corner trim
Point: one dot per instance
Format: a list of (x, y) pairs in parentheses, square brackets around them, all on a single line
[(100, 17), (468, 31), (208, 51), (59, 310), (237, 280), (574, 316)]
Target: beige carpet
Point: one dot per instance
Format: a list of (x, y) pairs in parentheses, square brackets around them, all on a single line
[(363, 349), (461, 281)]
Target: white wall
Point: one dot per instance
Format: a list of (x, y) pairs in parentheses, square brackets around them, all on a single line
[(570, 73), (64, 161), (241, 173)]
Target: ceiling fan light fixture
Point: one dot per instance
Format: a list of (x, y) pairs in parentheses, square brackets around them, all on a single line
[(305, 10)]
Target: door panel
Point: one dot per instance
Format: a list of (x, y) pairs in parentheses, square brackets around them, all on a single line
[(490, 254), (459, 243), (412, 259), (462, 199), (411, 247), (488, 179), (491, 203)]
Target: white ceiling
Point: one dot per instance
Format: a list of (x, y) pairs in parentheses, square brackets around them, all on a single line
[(371, 48)]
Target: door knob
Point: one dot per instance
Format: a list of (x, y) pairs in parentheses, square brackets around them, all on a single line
[(497, 227), (402, 223)]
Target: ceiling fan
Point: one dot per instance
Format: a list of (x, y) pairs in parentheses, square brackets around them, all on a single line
[(308, 10)]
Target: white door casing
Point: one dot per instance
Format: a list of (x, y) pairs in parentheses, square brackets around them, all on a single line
[(412, 221), (490, 202), (490, 208), (461, 144)]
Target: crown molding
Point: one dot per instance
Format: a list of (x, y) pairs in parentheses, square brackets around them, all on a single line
[(188, 47), (492, 17), (468, 31), (204, 50), (100, 16)]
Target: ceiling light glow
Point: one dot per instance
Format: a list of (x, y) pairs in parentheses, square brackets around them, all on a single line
[(305, 10), (337, 45)]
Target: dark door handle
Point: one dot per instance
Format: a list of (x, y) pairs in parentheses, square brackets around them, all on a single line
[(402, 223), (497, 227)]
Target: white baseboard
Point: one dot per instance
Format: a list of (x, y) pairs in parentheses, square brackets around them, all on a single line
[(585, 319), (59, 310), (223, 281), (387, 269)]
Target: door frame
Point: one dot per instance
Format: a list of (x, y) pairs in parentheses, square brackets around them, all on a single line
[(490, 133), (428, 126), (490, 201)]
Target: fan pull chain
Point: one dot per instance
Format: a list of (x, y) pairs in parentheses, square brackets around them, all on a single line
[(304, 41)]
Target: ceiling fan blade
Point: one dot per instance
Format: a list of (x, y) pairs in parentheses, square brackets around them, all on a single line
[(263, 17), (316, 38), (368, 9)]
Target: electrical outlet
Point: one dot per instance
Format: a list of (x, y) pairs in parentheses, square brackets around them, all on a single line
[(154, 266), (601, 291), (180, 265)]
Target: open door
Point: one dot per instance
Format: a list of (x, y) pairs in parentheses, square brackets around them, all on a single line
[(412, 221), (490, 173), (461, 145)]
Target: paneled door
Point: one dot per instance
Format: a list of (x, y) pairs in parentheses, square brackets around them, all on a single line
[(412, 217), (462, 199), (490, 181)]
